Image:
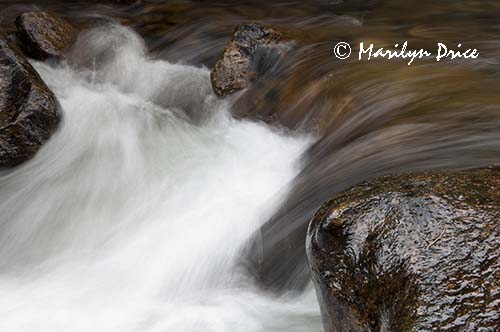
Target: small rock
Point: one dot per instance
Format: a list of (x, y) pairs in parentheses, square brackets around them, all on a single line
[(252, 50), (44, 35), (29, 111), (398, 256)]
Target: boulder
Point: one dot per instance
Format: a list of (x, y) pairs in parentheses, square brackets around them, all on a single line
[(44, 35), (412, 252), (253, 49), (29, 111)]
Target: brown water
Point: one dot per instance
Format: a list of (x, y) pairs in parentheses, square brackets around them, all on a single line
[(369, 117)]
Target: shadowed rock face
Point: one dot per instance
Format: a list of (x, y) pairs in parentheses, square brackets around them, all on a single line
[(253, 47), (44, 35), (29, 111), (416, 252)]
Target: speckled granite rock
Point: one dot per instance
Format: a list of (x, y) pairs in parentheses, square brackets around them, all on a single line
[(29, 111), (239, 64), (415, 252), (44, 35)]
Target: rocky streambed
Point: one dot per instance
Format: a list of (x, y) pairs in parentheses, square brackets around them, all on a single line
[(400, 160)]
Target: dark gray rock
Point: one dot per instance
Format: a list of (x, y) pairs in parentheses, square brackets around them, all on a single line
[(29, 111), (415, 252)]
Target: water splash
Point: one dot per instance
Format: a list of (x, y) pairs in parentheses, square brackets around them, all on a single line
[(133, 216)]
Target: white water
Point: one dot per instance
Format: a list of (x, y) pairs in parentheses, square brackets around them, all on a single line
[(131, 218)]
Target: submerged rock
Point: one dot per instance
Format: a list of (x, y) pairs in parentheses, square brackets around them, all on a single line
[(414, 252), (29, 111), (44, 35), (253, 49)]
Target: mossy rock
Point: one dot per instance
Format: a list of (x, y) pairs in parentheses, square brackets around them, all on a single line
[(412, 252)]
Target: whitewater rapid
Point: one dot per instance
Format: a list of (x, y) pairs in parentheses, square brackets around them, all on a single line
[(132, 217)]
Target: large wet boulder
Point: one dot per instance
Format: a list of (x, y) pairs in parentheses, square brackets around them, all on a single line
[(414, 252), (44, 35), (253, 49), (29, 111)]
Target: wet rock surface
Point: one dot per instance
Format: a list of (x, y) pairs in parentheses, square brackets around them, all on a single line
[(253, 49), (44, 35), (415, 252), (29, 111)]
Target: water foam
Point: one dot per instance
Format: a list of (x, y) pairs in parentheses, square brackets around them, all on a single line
[(132, 217)]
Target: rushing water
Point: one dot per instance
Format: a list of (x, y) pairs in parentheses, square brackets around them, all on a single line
[(135, 216), (131, 218)]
